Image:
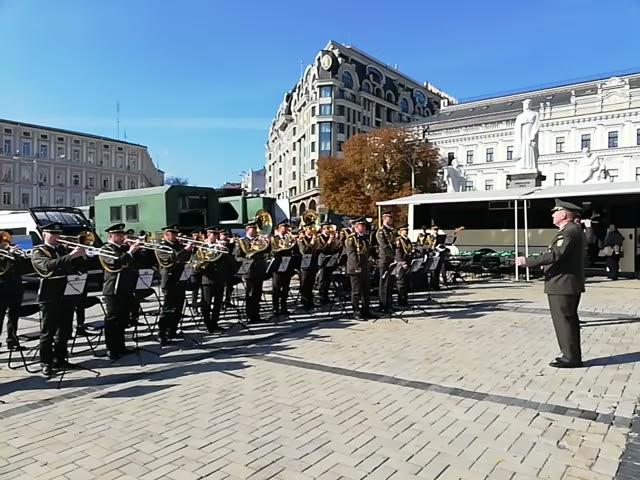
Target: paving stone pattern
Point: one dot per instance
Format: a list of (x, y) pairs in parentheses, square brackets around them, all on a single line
[(463, 392)]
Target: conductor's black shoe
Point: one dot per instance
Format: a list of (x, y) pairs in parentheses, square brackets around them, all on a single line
[(564, 363), (215, 329), (113, 355), (47, 371), (284, 311), (369, 315)]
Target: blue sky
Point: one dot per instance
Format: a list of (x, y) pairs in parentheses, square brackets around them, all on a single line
[(199, 81)]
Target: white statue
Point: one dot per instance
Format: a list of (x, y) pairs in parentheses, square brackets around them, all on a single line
[(454, 176), (591, 169), (525, 133)]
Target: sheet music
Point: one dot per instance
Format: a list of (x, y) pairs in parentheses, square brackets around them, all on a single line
[(75, 285), (284, 264), (145, 279)]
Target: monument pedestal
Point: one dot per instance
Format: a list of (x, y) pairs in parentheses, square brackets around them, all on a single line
[(525, 179)]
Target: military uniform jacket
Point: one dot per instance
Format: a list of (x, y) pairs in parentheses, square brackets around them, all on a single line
[(404, 250), (277, 242), (563, 262), (11, 280), (358, 250), (259, 266), (216, 272), (171, 263), (120, 275), (55, 260), (386, 246)]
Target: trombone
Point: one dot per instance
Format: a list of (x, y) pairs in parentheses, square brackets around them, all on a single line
[(154, 247), (85, 241)]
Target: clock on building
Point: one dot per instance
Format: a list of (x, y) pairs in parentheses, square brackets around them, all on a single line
[(326, 61)]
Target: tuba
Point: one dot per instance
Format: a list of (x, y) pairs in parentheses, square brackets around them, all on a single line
[(310, 218), (6, 258), (264, 222)]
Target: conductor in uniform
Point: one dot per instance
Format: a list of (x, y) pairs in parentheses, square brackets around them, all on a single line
[(358, 250), (119, 287), (385, 238), (563, 266), (171, 262)]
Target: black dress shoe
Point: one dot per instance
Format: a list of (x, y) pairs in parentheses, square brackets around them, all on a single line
[(284, 311), (127, 351), (359, 317), (215, 329), (47, 371), (369, 315), (113, 355), (164, 341), (564, 363)]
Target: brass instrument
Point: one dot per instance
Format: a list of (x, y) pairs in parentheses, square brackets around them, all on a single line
[(310, 218), (264, 222), (152, 246), (258, 245), (282, 244), (85, 240), (208, 254)]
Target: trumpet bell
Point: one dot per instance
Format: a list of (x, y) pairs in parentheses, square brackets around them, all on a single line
[(5, 237)]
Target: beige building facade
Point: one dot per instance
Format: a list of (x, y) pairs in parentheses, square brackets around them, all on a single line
[(44, 166)]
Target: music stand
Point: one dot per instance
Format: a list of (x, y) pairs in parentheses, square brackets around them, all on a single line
[(431, 266), (392, 271), (70, 286), (287, 265), (242, 267), (143, 284)]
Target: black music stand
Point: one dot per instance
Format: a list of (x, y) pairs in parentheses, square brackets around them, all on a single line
[(94, 283), (392, 271), (288, 264), (143, 284), (430, 265), (242, 268), (187, 273), (341, 294)]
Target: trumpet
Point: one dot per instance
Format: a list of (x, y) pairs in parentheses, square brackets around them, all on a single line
[(19, 252)]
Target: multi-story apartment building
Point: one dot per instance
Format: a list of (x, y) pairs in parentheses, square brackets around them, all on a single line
[(344, 92), (48, 166), (593, 125)]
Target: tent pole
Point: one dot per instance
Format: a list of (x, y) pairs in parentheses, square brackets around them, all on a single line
[(515, 230), (526, 234)]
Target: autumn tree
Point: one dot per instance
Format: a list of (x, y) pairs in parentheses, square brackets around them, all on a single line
[(176, 181), (376, 166)]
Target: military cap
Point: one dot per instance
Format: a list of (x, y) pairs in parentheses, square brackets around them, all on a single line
[(404, 226), (212, 228), (131, 231), (52, 228), (251, 224), (284, 222), (171, 228), (388, 213), (117, 228), (360, 220), (197, 231), (568, 206)]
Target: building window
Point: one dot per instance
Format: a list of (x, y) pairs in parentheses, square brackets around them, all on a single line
[(613, 175), (75, 180), (105, 183), (76, 155), (313, 111), (60, 179), (559, 144), (6, 147), (558, 179), (105, 159), (326, 91), (91, 157), (489, 155), (325, 138), (132, 184), (488, 184), (468, 186), (404, 105), (313, 164), (613, 139), (450, 157), (469, 157), (313, 146), (341, 128), (347, 80), (326, 109), (509, 153), (638, 136), (131, 213), (6, 198), (8, 131), (340, 146), (637, 174), (44, 150), (60, 152), (313, 128), (341, 110), (92, 182), (7, 173), (25, 200), (585, 141), (26, 149), (115, 213)]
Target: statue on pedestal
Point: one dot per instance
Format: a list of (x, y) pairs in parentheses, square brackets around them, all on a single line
[(454, 176), (525, 134)]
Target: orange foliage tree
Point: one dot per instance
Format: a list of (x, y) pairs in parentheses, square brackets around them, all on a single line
[(376, 166)]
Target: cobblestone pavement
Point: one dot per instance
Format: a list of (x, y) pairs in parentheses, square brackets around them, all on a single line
[(463, 390)]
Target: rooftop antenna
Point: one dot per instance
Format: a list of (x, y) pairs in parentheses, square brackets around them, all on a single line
[(125, 133), (301, 68), (118, 118)]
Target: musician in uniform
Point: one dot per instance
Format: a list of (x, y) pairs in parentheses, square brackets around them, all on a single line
[(357, 249), (385, 238), (282, 246), (253, 248), (53, 259), (328, 245), (212, 269), (12, 265), (171, 262), (309, 266), (563, 266), (403, 257), (119, 287)]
